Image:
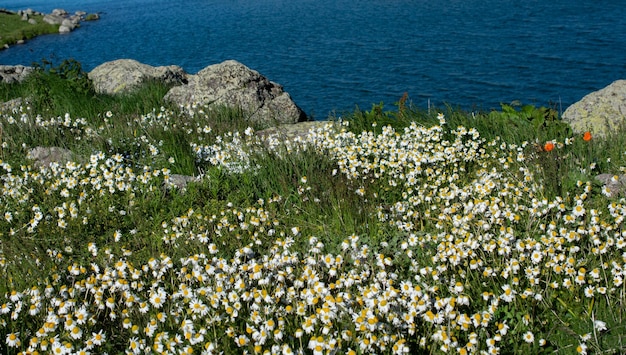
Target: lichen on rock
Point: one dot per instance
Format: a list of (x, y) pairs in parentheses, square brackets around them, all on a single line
[(600, 112)]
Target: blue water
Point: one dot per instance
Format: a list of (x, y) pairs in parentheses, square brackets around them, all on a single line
[(333, 55)]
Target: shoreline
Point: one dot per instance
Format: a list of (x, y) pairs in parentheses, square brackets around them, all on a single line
[(19, 26)]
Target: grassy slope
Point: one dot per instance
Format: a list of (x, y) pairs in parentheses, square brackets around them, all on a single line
[(13, 28), (302, 195)]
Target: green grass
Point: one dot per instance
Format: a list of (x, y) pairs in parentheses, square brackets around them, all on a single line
[(13, 28), (362, 240)]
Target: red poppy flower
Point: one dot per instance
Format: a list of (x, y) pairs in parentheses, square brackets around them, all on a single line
[(548, 146), (587, 136)]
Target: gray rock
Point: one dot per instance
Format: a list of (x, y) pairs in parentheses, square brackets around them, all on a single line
[(75, 20), (600, 112), (67, 26), (232, 84), (12, 106), (615, 184), (59, 12), (53, 19), (32, 21), (298, 132), (124, 75), (14, 73), (44, 156), (180, 181)]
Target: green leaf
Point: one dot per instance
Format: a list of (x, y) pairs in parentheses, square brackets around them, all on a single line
[(509, 109), (538, 122)]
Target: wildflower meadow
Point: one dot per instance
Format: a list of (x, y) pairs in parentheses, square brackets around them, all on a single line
[(384, 231)]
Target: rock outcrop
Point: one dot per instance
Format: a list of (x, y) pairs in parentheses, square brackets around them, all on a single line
[(124, 75), (600, 112), (44, 157), (14, 73), (67, 23), (232, 84)]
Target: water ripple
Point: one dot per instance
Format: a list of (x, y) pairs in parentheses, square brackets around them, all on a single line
[(335, 55)]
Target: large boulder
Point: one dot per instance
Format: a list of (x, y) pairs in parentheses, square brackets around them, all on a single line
[(14, 73), (600, 112), (124, 75), (232, 84)]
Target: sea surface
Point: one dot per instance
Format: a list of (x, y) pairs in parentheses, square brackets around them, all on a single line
[(335, 55)]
